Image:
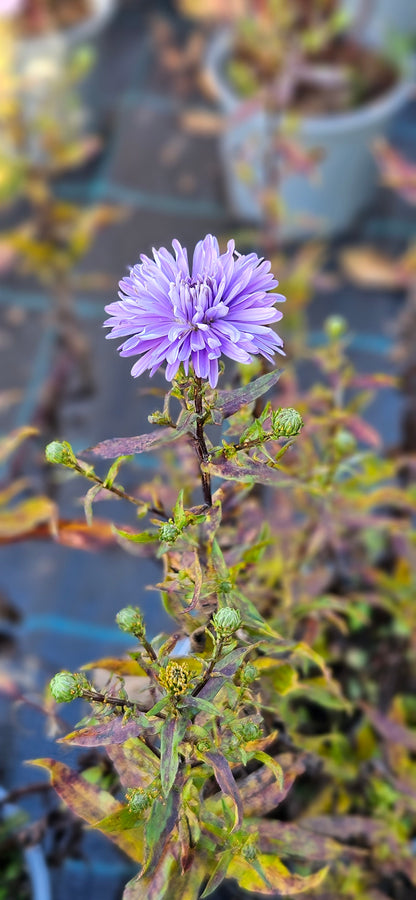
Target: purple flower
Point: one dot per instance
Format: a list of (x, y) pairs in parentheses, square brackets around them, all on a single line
[(174, 314)]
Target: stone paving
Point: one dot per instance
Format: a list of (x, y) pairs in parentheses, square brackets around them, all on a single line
[(171, 184)]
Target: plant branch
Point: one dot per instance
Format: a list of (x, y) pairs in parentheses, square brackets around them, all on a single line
[(119, 492)]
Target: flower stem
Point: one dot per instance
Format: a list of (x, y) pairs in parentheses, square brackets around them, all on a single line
[(201, 447)]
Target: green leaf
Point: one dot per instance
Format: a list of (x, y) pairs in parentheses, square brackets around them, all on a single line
[(121, 820), (171, 734), (144, 537), (219, 873), (273, 765), (114, 470), (88, 501), (163, 818), (200, 704)]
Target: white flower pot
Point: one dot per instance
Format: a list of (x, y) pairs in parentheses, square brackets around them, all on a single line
[(344, 175), (385, 17)]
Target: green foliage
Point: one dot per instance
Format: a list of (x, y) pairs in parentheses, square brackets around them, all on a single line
[(286, 699)]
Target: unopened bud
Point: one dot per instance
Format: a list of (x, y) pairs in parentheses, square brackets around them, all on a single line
[(61, 452), (248, 851), (249, 674), (130, 619), (287, 422), (226, 621), (65, 687), (335, 326), (138, 800), (249, 731), (169, 532), (345, 442)]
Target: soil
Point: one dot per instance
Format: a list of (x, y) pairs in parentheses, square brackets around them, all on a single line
[(351, 75)]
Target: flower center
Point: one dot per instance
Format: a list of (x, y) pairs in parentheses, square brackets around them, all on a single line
[(196, 303)]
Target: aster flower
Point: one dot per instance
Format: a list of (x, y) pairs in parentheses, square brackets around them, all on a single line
[(177, 314)]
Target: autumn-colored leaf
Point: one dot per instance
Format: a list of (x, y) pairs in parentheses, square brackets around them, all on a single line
[(113, 730), (10, 442), (229, 402), (89, 803), (23, 519), (390, 730), (226, 782), (142, 443), (370, 268), (260, 791), (135, 764), (280, 880)]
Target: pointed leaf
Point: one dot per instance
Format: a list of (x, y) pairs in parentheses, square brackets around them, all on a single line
[(113, 730), (247, 470), (134, 762), (273, 765), (279, 878), (89, 803), (229, 402), (171, 734), (141, 443), (225, 780), (163, 820), (219, 873)]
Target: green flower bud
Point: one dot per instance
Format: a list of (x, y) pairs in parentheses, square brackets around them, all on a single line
[(138, 800), (345, 442), (249, 731), (287, 422), (225, 587), (175, 678), (61, 452), (249, 674), (169, 532), (65, 687), (249, 851), (130, 620), (335, 326), (203, 746), (226, 621)]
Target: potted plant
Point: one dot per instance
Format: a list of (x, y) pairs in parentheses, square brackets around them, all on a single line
[(304, 101)]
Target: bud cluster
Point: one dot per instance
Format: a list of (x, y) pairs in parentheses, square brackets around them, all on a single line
[(249, 673), (175, 678)]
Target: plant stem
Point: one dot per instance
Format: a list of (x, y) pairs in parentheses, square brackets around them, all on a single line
[(201, 447), (119, 492), (210, 669)]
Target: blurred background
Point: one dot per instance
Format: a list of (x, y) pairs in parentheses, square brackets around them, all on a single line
[(125, 124)]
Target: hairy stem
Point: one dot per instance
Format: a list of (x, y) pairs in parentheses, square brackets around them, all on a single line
[(201, 447)]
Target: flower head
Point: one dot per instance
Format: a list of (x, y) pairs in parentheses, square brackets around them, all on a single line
[(177, 313)]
